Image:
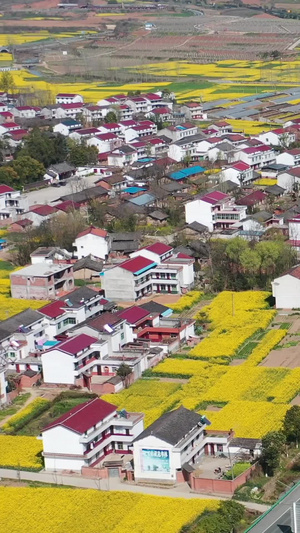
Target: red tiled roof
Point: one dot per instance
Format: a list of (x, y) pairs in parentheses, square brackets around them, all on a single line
[(94, 231), (255, 149), (295, 271), (294, 151), (159, 248), (137, 263), (24, 222), (54, 309), (67, 206), (24, 108), (183, 256), (161, 111), (84, 416), (252, 198), (43, 210), (105, 319), (128, 122), (106, 136), (146, 123), (111, 126), (214, 197), (221, 123), (76, 344), (133, 314), (10, 125), (6, 114), (240, 165), (6, 188), (152, 96), (87, 131)]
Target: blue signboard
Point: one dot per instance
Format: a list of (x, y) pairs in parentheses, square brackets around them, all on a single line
[(155, 460)]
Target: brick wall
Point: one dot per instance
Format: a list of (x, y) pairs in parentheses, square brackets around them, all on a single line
[(221, 486)]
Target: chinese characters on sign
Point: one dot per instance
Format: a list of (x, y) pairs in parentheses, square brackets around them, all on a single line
[(155, 460)]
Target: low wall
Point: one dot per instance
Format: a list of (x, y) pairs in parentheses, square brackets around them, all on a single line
[(220, 486)]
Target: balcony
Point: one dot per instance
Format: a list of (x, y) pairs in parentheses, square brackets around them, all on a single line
[(108, 439)]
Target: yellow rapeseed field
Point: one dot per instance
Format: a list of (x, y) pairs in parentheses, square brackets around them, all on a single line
[(20, 452), (91, 511)]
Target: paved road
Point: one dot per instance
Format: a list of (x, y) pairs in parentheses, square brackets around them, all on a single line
[(50, 194), (279, 517), (114, 484)]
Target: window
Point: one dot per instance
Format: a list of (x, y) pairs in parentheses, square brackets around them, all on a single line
[(120, 445), (122, 336)]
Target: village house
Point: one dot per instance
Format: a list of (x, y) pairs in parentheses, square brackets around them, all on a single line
[(289, 179), (67, 126), (41, 281), (94, 242), (193, 111), (88, 433), (215, 210), (177, 133), (68, 98), (289, 157), (286, 289)]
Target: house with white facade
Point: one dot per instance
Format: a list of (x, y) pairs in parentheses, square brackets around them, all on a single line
[(186, 147), (289, 157), (67, 126), (9, 127), (12, 203), (215, 210), (278, 137), (179, 132), (24, 111), (94, 113), (122, 157), (256, 156), (175, 439), (68, 98), (104, 142), (286, 289), (222, 127), (71, 110), (193, 111), (94, 242), (289, 179), (87, 434), (239, 172)]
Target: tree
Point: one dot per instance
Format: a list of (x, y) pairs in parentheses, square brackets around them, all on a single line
[(272, 448), (233, 511), (28, 169), (250, 261), (81, 155), (45, 147), (124, 371), (9, 176), (110, 117), (291, 424), (7, 83)]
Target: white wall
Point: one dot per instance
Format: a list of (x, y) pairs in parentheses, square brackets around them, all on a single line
[(199, 211), (92, 244), (294, 231), (285, 159), (58, 367), (286, 291), (118, 284), (287, 181), (148, 254), (153, 443)]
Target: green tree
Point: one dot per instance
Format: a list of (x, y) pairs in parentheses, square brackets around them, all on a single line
[(233, 511), (250, 262), (235, 248), (110, 117), (9, 176), (124, 372), (7, 83), (28, 169), (81, 155), (272, 447), (45, 147), (291, 425)]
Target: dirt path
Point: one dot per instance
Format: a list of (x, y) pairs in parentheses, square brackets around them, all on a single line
[(190, 313), (34, 393)]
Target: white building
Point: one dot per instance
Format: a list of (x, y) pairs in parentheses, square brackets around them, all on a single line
[(92, 241), (12, 203), (239, 173), (193, 111), (289, 179), (70, 361), (289, 157), (175, 439), (86, 434), (286, 289), (68, 98), (215, 210), (256, 156), (179, 132), (278, 137)]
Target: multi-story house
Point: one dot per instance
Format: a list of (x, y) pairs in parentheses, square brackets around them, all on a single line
[(122, 157), (86, 434), (256, 156), (279, 137), (71, 310), (12, 203), (215, 210), (72, 110), (9, 127), (193, 111), (69, 98), (94, 113), (143, 129), (70, 361), (186, 147), (41, 281), (138, 104), (24, 111), (67, 126), (289, 157), (240, 173), (112, 127), (104, 142), (179, 132), (92, 241), (116, 100)]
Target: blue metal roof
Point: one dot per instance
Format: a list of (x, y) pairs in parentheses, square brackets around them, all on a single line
[(144, 199), (133, 190), (186, 173)]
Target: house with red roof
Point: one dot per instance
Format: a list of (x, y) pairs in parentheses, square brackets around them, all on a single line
[(104, 142), (24, 111), (238, 172), (289, 157), (216, 210), (256, 156), (222, 127), (94, 242), (286, 289), (68, 98), (12, 203), (117, 99), (9, 127), (152, 269), (93, 113), (70, 361), (138, 317), (89, 433), (143, 129), (39, 213), (193, 111), (279, 137)]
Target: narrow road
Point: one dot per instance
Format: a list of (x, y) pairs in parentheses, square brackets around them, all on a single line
[(115, 484)]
